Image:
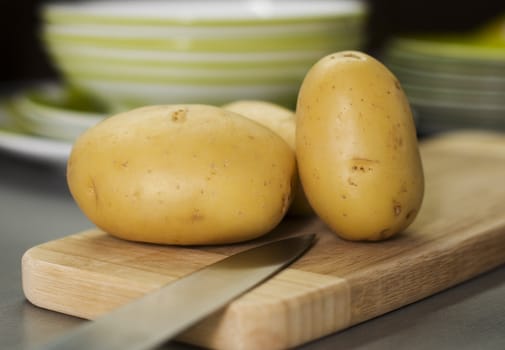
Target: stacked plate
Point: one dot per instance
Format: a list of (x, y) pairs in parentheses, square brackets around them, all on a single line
[(132, 53), (42, 122), (452, 81), (53, 112)]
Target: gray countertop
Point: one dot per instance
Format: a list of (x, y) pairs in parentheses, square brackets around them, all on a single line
[(35, 207)]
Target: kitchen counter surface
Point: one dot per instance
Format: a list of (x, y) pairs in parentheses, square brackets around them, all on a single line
[(35, 206)]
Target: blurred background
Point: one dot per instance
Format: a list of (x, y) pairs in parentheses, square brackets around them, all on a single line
[(23, 57), (65, 65)]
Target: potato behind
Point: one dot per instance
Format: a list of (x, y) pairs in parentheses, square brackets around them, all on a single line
[(283, 122), (275, 117), (182, 174)]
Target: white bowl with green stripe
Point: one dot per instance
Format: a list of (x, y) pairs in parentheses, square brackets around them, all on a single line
[(102, 62), (134, 53), (149, 79)]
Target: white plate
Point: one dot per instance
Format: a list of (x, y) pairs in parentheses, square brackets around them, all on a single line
[(51, 121), (32, 147)]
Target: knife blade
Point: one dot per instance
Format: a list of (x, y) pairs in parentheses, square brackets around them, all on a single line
[(162, 314)]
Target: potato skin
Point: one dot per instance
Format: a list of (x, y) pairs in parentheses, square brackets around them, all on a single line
[(275, 117), (282, 121), (182, 174), (356, 147)]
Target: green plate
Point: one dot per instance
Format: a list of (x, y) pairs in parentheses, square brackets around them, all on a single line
[(460, 98), (54, 112), (448, 80), (443, 65), (451, 46)]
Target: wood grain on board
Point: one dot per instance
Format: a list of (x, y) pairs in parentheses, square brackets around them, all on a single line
[(459, 233)]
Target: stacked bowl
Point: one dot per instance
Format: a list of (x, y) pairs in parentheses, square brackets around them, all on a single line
[(132, 53), (452, 81)]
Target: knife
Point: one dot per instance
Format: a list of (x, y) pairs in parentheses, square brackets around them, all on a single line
[(162, 314)]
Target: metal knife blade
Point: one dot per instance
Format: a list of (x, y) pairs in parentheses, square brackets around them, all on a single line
[(162, 314)]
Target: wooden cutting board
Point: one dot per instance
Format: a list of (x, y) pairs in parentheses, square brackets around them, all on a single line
[(459, 233)]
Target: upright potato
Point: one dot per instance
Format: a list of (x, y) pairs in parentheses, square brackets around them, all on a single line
[(182, 174), (356, 147), (281, 121)]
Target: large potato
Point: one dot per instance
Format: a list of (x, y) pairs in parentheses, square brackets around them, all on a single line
[(182, 174), (356, 146), (281, 121)]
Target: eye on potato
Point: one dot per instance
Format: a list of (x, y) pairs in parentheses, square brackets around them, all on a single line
[(182, 174), (356, 147), (281, 121)]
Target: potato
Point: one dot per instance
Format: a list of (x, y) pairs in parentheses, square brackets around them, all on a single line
[(182, 174), (356, 147), (277, 118), (281, 121)]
